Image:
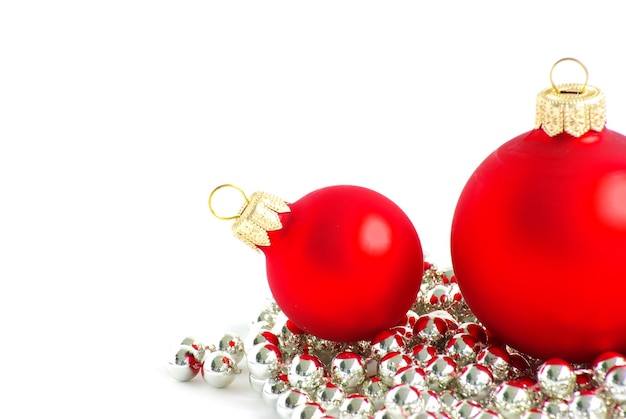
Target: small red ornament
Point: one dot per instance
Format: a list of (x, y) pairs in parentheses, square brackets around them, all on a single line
[(538, 237), (343, 262)]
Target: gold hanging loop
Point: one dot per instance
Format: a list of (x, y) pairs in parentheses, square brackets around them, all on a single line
[(584, 86), (226, 185)]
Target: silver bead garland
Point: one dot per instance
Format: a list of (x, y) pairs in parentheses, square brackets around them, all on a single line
[(440, 363)]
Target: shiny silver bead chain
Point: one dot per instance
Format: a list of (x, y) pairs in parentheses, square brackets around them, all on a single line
[(439, 362)]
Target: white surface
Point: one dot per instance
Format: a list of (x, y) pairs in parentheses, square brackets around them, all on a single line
[(118, 118)]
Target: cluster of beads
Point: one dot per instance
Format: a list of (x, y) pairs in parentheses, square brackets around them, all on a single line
[(438, 362), (218, 365)]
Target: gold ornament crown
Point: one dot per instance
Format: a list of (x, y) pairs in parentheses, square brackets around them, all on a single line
[(574, 108), (258, 215)]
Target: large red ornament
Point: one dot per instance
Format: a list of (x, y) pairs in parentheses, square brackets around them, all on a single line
[(343, 262), (539, 234)]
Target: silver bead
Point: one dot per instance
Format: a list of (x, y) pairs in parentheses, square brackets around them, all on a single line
[(385, 342), (431, 328), (615, 383), (422, 353), (403, 400), (356, 406), (556, 379), (305, 372), (289, 400), (555, 408), (273, 388), (603, 363), (431, 401), (475, 382), (232, 344), (308, 410), (264, 360), (390, 364), (440, 372), (330, 397), (512, 399), (587, 405), (411, 375), (466, 409), (462, 348), (497, 359), (375, 390), (184, 364), (257, 337), (219, 369), (347, 369)]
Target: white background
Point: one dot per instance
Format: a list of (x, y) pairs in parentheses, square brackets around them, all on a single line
[(118, 118)]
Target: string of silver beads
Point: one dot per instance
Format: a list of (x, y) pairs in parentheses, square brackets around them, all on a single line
[(439, 362)]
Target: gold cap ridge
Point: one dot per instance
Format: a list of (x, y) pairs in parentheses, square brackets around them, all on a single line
[(570, 109)]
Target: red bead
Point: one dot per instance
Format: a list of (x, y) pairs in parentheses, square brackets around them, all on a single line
[(538, 244), (346, 264)]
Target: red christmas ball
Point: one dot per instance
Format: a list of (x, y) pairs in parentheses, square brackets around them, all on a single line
[(538, 243), (346, 264)]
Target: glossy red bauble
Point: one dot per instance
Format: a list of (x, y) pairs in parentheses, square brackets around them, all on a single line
[(346, 264), (539, 244)]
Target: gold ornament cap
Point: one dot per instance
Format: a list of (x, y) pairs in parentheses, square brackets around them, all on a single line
[(258, 215), (574, 108)]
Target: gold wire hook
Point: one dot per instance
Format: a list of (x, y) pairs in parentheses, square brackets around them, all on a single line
[(582, 90), (226, 185)]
